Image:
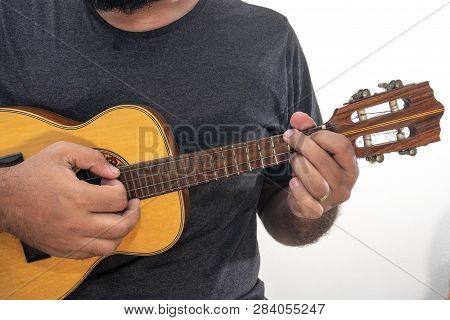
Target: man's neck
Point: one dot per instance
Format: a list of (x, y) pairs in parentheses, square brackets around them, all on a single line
[(154, 16)]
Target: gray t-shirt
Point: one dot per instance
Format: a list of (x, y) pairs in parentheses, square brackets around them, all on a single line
[(224, 65)]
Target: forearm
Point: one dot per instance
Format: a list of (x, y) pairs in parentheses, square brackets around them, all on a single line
[(289, 229), (4, 193)]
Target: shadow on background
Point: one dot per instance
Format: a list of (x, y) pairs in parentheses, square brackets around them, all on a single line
[(439, 260)]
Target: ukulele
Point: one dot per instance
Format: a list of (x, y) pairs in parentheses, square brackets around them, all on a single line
[(160, 176)]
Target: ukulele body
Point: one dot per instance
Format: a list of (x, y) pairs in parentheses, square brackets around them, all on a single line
[(125, 134)]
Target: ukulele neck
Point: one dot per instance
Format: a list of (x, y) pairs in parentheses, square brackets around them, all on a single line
[(157, 177), (161, 176)]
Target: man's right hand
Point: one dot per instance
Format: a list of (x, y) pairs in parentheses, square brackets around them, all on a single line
[(44, 204)]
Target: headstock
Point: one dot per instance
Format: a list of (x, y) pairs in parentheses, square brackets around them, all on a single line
[(411, 118)]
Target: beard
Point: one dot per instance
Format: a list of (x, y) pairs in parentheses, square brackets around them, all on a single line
[(126, 6)]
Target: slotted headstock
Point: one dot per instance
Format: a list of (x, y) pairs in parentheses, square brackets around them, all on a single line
[(411, 120)]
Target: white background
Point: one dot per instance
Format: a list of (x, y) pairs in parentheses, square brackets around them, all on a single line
[(109, 309), (392, 240), (401, 208)]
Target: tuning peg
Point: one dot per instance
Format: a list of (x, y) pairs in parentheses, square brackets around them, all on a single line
[(376, 158), (391, 85), (410, 152), (359, 95)]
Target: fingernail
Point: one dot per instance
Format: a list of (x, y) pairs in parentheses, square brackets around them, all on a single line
[(114, 170), (320, 211), (288, 133), (295, 183)]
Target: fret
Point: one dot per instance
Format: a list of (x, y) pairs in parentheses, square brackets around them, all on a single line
[(136, 183), (176, 172), (144, 177), (140, 192), (197, 170), (141, 189), (183, 166), (127, 186), (224, 163), (161, 182), (179, 170), (205, 171), (173, 168), (132, 181), (153, 181), (170, 171), (146, 181), (211, 161), (284, 157), (235, 159), (273, 149), (248, 156), (260, 154), (141, 179), (162, 174), (192, 173)]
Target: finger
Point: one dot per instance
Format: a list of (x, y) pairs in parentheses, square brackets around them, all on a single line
[(98, 247), (112, 183), (106, 182), (88, 159), (75, 254), (114, 226), (109, 197), (319, 158), (87, 248), (311, 179), (341, 148), (305, 205), (301, 121)]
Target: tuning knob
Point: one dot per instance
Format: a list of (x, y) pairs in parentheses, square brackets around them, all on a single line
[(391, 85), (410, 152), (359, 95), (376, 158)]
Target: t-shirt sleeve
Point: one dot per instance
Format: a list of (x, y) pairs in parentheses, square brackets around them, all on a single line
[(300, 97)]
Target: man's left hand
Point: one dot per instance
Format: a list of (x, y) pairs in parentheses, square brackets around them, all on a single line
[(324, 167)]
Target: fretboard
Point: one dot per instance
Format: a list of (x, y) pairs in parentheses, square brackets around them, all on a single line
[(157, 177)]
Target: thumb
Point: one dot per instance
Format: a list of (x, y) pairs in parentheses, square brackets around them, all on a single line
[(301, 121), (89, 159)]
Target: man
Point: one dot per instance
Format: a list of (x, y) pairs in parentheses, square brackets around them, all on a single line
[(198, 62)]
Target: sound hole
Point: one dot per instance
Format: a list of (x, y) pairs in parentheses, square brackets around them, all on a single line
[(111, 157)]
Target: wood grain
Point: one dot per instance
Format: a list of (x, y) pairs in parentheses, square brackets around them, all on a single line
[(421, 116)]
